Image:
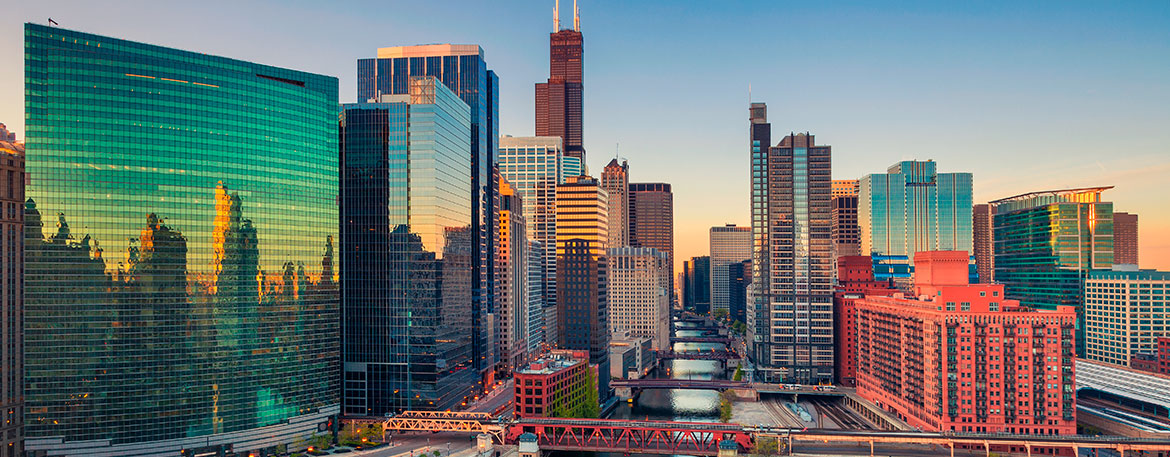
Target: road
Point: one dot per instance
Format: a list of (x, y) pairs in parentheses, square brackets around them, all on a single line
[(422, 443), (495, 399)]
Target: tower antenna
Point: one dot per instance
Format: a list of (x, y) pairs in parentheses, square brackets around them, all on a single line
[(576, 17), (557, 16)]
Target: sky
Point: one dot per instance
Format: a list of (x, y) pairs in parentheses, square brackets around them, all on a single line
[(1027, 96)]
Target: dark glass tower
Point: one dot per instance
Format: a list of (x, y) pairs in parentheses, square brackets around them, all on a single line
[(463, 70), (559, 101), (180, 283), (651, 220)]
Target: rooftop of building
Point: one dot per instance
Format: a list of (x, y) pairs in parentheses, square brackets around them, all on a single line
[(1124, 382), (12, 148), (554, 362), (1135, 275), (509, 141), (1076, 194), (430, 50)]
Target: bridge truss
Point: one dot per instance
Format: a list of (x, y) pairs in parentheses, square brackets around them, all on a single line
[(652, 437)]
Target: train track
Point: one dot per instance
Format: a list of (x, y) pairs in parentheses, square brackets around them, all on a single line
[(843, 418), (781, 413)]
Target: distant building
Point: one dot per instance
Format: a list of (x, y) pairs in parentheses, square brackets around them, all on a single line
[(5, 135), (855, 281), (559, 101), (1125, 238), (729, 244), (961, 357), (651, 220), (12, 299), (1125, 314), (845, 188), (1154, 362), (912, 207), (1046, 243), (536, 307), (630, 357), (615, 178), (697, 283), (582, 277), (983, 242), (739, 279), (512, 291), (639, 297), (846, 232), (552, 385)]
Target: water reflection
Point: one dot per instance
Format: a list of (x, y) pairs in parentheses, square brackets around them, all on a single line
[(680, 404)]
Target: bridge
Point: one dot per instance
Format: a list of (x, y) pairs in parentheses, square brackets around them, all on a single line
[(712, 354), (699, 384), (701, 339), (630, 437)]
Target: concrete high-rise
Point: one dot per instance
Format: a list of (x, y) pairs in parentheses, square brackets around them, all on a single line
[(405, 245), (582, 281), (983, 242), (790, 328), (912, 207), (651, 220), (1125, 313), (615, 178), (639, 300), (855, 281), (846, 233), (180, 283), (512, 292), (728, 245), (464, 71), (559, 101), (1047, 242), (1125, 238), (12, 297)]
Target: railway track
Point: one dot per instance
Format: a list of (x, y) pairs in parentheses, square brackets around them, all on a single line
[(843, 418), (782, 414)]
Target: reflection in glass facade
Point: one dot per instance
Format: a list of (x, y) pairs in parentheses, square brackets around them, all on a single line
[(180, 282), (912, 208), (406, 239), (1047, 242)]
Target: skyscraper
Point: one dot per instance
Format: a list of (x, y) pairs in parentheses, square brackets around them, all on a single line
[(534, 166), (651, 220), (464, 71), (536, 307), (1047, 242), (616, 181), (406, 242), (192, 250), (739, 278), (511, 281), (790, 328), (559, 103), (728, 245), (846, 233), (1125, 238), (639, 299), (1125, 314), (582, 290), (983, 243), (12, 297), (912, 207)]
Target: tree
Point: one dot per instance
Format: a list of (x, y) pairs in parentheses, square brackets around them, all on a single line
[(766, 445), (725, 400), (719, 314), (738, 376)]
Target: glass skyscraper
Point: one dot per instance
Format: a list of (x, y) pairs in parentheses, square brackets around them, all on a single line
[(912, 208), (462, 69), (180, 223), (1047, 242)]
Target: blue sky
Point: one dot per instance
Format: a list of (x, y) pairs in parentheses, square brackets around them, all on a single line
[(1025, 95)]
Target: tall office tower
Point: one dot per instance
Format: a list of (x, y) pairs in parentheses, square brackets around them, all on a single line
[(701, 283), (739, 278), (855, 281), (651, 220), (12, 301), (511, 281), (912, 207), (1047, 242), (1125, 238), (791, 321), (983, 243), (687, 283), (463, 70), (582, 298), (536, 308), (559, 103), (846, 233), (1125, 314), (728, 244), (616, 181), (406, 218), (534, 166), (191, 251), (639, 300), (925, 358)]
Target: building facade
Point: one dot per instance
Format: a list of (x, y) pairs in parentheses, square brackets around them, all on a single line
[(1046, 243), (855, 281), (615, 178), (639, 300), (12, 300), (559, 101), (1125, 314), (790, 322), (582, 278), (1125, 238), (728, 245), (1154, 362), (193, 254), (512, 292), (739, 280), (912, 207), (553, 386), (983, 242), (537, 343), (697, 282), (963, 358), (406, 213), (464, 71), (534, 166), (651, 220), (846, 233)]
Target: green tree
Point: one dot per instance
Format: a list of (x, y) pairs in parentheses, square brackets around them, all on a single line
[(725, 401), (719, 314), (586, 408), (738, 376), (766, 445)]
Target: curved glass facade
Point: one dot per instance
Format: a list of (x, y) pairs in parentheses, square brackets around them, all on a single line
[(180, 221)]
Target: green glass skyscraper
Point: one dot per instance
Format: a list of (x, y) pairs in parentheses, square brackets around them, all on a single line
[(180, 286)]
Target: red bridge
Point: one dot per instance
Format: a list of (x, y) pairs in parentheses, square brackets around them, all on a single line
[(700, 339), (702, 384), (697, 355), (650, 437)]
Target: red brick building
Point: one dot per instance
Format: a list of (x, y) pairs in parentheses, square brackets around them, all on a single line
[(1158, 362), (960, 357), (556, 382), (854, 282)]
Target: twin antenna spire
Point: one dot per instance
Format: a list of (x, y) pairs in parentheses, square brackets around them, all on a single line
[(557, 17)]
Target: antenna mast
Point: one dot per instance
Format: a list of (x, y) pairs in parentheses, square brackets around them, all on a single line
[(557, 16), (576, 17)]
